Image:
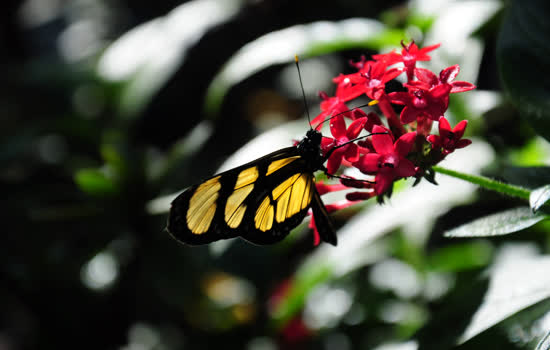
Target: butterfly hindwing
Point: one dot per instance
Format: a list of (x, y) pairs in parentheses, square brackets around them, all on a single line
[(260, 201), (322, 220), (280, 206)]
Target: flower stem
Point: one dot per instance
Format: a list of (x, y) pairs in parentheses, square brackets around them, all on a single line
[(487, 183)]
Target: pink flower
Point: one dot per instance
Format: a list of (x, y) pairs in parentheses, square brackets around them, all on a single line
[(389, 162)]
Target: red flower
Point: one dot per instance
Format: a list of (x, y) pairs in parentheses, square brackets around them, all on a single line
[(370, 80), (427, 79), (389, 162), (350, 151), (410, 54), (429, 95), (431, 103), (376, 77), (449, 139)]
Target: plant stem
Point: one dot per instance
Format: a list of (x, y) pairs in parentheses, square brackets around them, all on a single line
[(485, 182)]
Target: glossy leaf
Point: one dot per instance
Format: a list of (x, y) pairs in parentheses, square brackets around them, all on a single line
[(539, 197), (518, 280), (502, 223)]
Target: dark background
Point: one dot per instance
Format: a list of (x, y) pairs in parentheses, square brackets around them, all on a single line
[(83, 264)]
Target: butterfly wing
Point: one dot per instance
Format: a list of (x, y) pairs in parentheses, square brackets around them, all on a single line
[(260, 201), (322, 220)]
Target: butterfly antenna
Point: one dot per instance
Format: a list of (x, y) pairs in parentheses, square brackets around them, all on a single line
[(296, 60)]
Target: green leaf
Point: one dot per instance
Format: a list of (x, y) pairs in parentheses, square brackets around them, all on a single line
[(502, 223), (523, 53), (309, 40), (519, 280), (459, 257), (95, 182), (539, 197), (162, 44)]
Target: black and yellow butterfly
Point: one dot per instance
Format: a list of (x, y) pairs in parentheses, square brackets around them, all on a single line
[(260, 201)]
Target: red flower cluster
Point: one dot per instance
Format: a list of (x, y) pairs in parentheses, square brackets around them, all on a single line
[(397, 148)]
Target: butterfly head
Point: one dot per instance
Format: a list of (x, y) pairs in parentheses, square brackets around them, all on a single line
[(310, 149)]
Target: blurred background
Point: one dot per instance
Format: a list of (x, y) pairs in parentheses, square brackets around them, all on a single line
[(110, 107)]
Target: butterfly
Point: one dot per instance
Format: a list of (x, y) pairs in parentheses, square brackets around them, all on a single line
[(260, 201)]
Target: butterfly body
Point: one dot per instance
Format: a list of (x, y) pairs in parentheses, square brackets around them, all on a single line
[(260, 201)]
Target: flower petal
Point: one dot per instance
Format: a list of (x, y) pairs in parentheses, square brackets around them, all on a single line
[(444, 126), (449, 74), (418, 85), (408, 115), (373, 119), (323, 188), (460, 128), (327, 143), (357, 113), (368, 164), (426, 76), (349, 92), (355, 128), (423, 51), (338, 126), (461, 86), (316, 236), (382, 143), (383, 182), (352, 153), (400, 98), (404, 144), (318, 121), (335, 160), (391, 73), (406, 168), (463, 143), (359, 196), (440, 91), (434, 140)]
